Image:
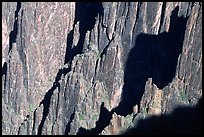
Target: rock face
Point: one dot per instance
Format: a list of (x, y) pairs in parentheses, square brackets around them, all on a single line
[(97, 68)]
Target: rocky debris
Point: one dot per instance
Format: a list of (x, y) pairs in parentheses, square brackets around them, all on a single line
[(97, 68)]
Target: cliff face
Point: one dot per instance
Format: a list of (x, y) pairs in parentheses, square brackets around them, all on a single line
[(97, 68)]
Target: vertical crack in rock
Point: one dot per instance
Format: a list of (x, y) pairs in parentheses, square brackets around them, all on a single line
[(138, 10), (162, 16), (96, 66), (34, 121), (101, 16), (123, 5), (127, 15), (4, 69), (104, 51), (69, 51), (128, 12), (19, 129), (25, 120), (4, 72), (137, 16), (189, 9), (57, 109), (22, 55), (14, 32), (68, 126)]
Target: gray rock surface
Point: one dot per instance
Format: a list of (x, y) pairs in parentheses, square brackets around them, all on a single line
[(74, 68)]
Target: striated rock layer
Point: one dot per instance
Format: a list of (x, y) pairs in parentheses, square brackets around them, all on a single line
[(97, 68)]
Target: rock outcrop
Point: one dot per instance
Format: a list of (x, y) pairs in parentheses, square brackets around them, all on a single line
[(97, 68)]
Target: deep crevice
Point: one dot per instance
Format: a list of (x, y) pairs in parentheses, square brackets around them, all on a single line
[(162, 16), (19, 129), (14, 32), (34, 119), (128, 12), (68, 126), (127, 15), (104, 51), (4, 69), (58, 96), (69, 51), (138, 10), (101, 16), (95, 70)]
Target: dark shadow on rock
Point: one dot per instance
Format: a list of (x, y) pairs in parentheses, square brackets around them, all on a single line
[(183, 121), (153, 56), (4, 72), (68, 126), (4, 69), (85, 13), (47, 99), (60, 73), (46, 105), (14, 32), (103, 121), (69, 54)]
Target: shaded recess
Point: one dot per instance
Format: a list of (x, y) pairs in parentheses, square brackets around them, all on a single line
[(183, 121), (153, 56), (85, 13)]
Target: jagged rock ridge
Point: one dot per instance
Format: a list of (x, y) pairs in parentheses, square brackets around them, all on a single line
[(67, 67)]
